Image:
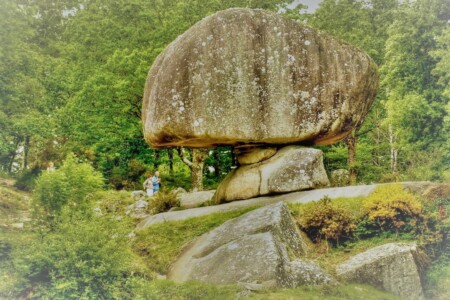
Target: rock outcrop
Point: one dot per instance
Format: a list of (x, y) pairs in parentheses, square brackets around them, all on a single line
[(391, 267), (252, 249), (292, 168), (245, 76)]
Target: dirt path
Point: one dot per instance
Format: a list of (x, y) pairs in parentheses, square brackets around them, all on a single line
[(297, 197)]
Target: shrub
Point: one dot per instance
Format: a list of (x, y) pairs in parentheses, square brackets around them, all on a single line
[(163, 201), (68, 185), (85, 257), (324, 220), (391, 208), (26, 180)]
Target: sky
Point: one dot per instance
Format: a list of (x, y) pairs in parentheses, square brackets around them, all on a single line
[(312, 4)]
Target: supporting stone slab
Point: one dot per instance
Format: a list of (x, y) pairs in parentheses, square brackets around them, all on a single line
[(292, 168)]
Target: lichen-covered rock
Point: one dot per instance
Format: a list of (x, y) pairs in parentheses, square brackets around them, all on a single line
[(307, 273), (250, 76), (292, 168), (391, 267), (253, 248), (340, 177)]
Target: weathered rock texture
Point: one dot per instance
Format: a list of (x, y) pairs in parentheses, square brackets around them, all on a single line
[(293, 168), (391, 267), (249, 76), (250, 249), (253, 155), (340, 177), (195, 199)]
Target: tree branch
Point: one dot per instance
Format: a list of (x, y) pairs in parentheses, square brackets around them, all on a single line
[(184, 158)]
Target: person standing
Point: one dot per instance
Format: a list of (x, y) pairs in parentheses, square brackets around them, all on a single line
[(148, 186), (156, 182)]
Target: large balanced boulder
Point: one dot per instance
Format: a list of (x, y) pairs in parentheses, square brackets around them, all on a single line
[(245, 76), (255, 248), (293, 168), (391, 267)]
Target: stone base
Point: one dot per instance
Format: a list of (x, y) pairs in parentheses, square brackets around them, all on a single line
[(290, 169), (258, 250), (390, 267)]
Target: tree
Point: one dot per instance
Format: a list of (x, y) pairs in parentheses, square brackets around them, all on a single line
[(414, 99), (195, 164)]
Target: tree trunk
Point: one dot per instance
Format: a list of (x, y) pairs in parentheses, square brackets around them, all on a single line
[(217, 168), (350, 141), (234, 161), (26, 148), (13, 156), (393, 151), (196, 165), (170, 155), (157, 157), (198, 162)]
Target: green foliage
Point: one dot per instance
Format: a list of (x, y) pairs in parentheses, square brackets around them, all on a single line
[(85, 257), (438, 280), (12, 202), (26, 180), (392, 208), (111, 201), (163, 201), (325, 220), (68, 185), (160, 244)]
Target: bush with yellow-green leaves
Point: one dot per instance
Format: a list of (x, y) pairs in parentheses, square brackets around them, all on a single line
[(391, 208), (327, 220)]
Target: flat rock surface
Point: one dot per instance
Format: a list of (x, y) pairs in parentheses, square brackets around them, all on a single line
[(250, 76), (297, 197)]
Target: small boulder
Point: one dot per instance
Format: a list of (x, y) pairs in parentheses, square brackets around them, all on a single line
[(138, 195), (255, 248), (194, 199), (255, 155), (391, 267), (137, 210), (293, 168), (340, 177)]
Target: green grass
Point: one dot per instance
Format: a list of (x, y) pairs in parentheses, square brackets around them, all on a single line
[(342, 292), (168, 290), (160, 244), (353, 204), (12, 203), (438, 280), (111, 201)]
